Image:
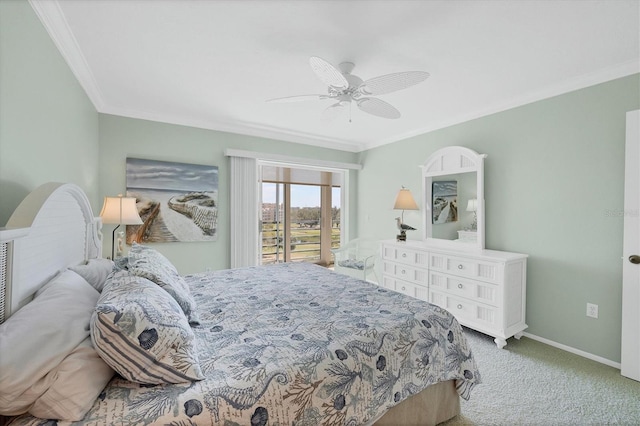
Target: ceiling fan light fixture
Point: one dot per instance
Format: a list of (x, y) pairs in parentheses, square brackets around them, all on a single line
[(345, 87)]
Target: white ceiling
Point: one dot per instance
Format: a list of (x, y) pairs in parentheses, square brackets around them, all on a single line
[(212, 64)]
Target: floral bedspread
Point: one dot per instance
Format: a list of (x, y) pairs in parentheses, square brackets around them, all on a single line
[(297, 344)]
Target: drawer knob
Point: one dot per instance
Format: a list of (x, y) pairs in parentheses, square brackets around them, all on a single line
[(404, 254), (459, 306), (403, 289), (403, 272), (459, 285), (460, 266)]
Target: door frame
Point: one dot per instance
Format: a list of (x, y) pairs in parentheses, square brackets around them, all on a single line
[(630, 351)]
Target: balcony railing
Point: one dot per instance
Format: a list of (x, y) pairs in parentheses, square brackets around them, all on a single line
[(304, 245)]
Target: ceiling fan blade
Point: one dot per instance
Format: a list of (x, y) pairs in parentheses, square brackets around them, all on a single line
[(298, 98), (378, 107), (391, 82), (329, 74), (334, 111)]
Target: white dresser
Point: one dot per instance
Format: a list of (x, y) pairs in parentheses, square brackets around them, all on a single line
[(484, 289)]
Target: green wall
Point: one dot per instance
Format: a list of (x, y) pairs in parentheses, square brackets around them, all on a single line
[(48, 126), (553, 176), (124, 137)]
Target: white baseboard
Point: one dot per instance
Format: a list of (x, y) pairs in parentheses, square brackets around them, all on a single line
[(574, 351)]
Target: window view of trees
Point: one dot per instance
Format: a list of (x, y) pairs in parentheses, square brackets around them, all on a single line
[(293, 233)]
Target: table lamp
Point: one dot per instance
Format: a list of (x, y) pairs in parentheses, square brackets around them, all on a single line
[(121, 211), (404, 201)]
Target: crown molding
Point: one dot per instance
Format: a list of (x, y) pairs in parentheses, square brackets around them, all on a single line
[(241, 128), (54, 21), (583, 81), (280, 158), (270, 132)]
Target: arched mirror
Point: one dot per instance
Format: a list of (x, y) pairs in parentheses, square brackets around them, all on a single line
[(453, 196)]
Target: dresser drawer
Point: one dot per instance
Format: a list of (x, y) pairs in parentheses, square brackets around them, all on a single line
[(405, 255), (406, 272), (484, 289), (467, 311), (404, 287), (466, 267), (484, 292)]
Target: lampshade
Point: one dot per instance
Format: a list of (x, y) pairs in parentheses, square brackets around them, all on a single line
[(405, 201), (472, 205), (120, 210)]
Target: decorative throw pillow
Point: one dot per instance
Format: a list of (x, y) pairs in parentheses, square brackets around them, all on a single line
[(141, 332), (121, 263), (95, 271), (36, 339), (152, 265)]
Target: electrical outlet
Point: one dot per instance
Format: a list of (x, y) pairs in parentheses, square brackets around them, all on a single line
[(592, 310)]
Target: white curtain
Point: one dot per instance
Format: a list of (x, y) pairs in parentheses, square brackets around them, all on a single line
[(244, 200)]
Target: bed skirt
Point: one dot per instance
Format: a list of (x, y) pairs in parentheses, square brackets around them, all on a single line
[(436, 404)]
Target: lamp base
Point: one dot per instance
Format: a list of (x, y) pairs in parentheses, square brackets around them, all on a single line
[(113, 242), (119, 244), (402, 236)]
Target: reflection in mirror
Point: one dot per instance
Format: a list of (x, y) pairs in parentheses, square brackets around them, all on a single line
[(450, 213)]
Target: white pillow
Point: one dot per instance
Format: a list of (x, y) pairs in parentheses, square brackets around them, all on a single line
[(95, 271), (75, 385), (34, 340)]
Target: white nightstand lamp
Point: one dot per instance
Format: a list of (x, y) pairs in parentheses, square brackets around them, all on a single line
[(121, 211)]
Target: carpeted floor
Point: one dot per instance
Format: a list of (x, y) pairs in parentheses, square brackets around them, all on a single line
[(531, 383)]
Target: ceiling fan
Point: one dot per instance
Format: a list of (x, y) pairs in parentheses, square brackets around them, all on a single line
[(346, 88)]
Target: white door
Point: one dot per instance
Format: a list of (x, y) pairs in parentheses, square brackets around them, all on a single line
[(630, 357)]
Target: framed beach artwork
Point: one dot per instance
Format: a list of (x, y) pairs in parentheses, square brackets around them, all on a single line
[(177, 202), (445, 201)]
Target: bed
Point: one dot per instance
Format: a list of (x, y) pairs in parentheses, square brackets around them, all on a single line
[(282, 344)]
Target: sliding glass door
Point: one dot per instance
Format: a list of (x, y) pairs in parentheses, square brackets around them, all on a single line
[(300, 219)]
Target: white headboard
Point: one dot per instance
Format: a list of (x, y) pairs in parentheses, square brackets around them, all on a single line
[(53, 228)]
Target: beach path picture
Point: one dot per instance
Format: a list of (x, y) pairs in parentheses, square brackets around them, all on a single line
[(177, 202), (445, 204)]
